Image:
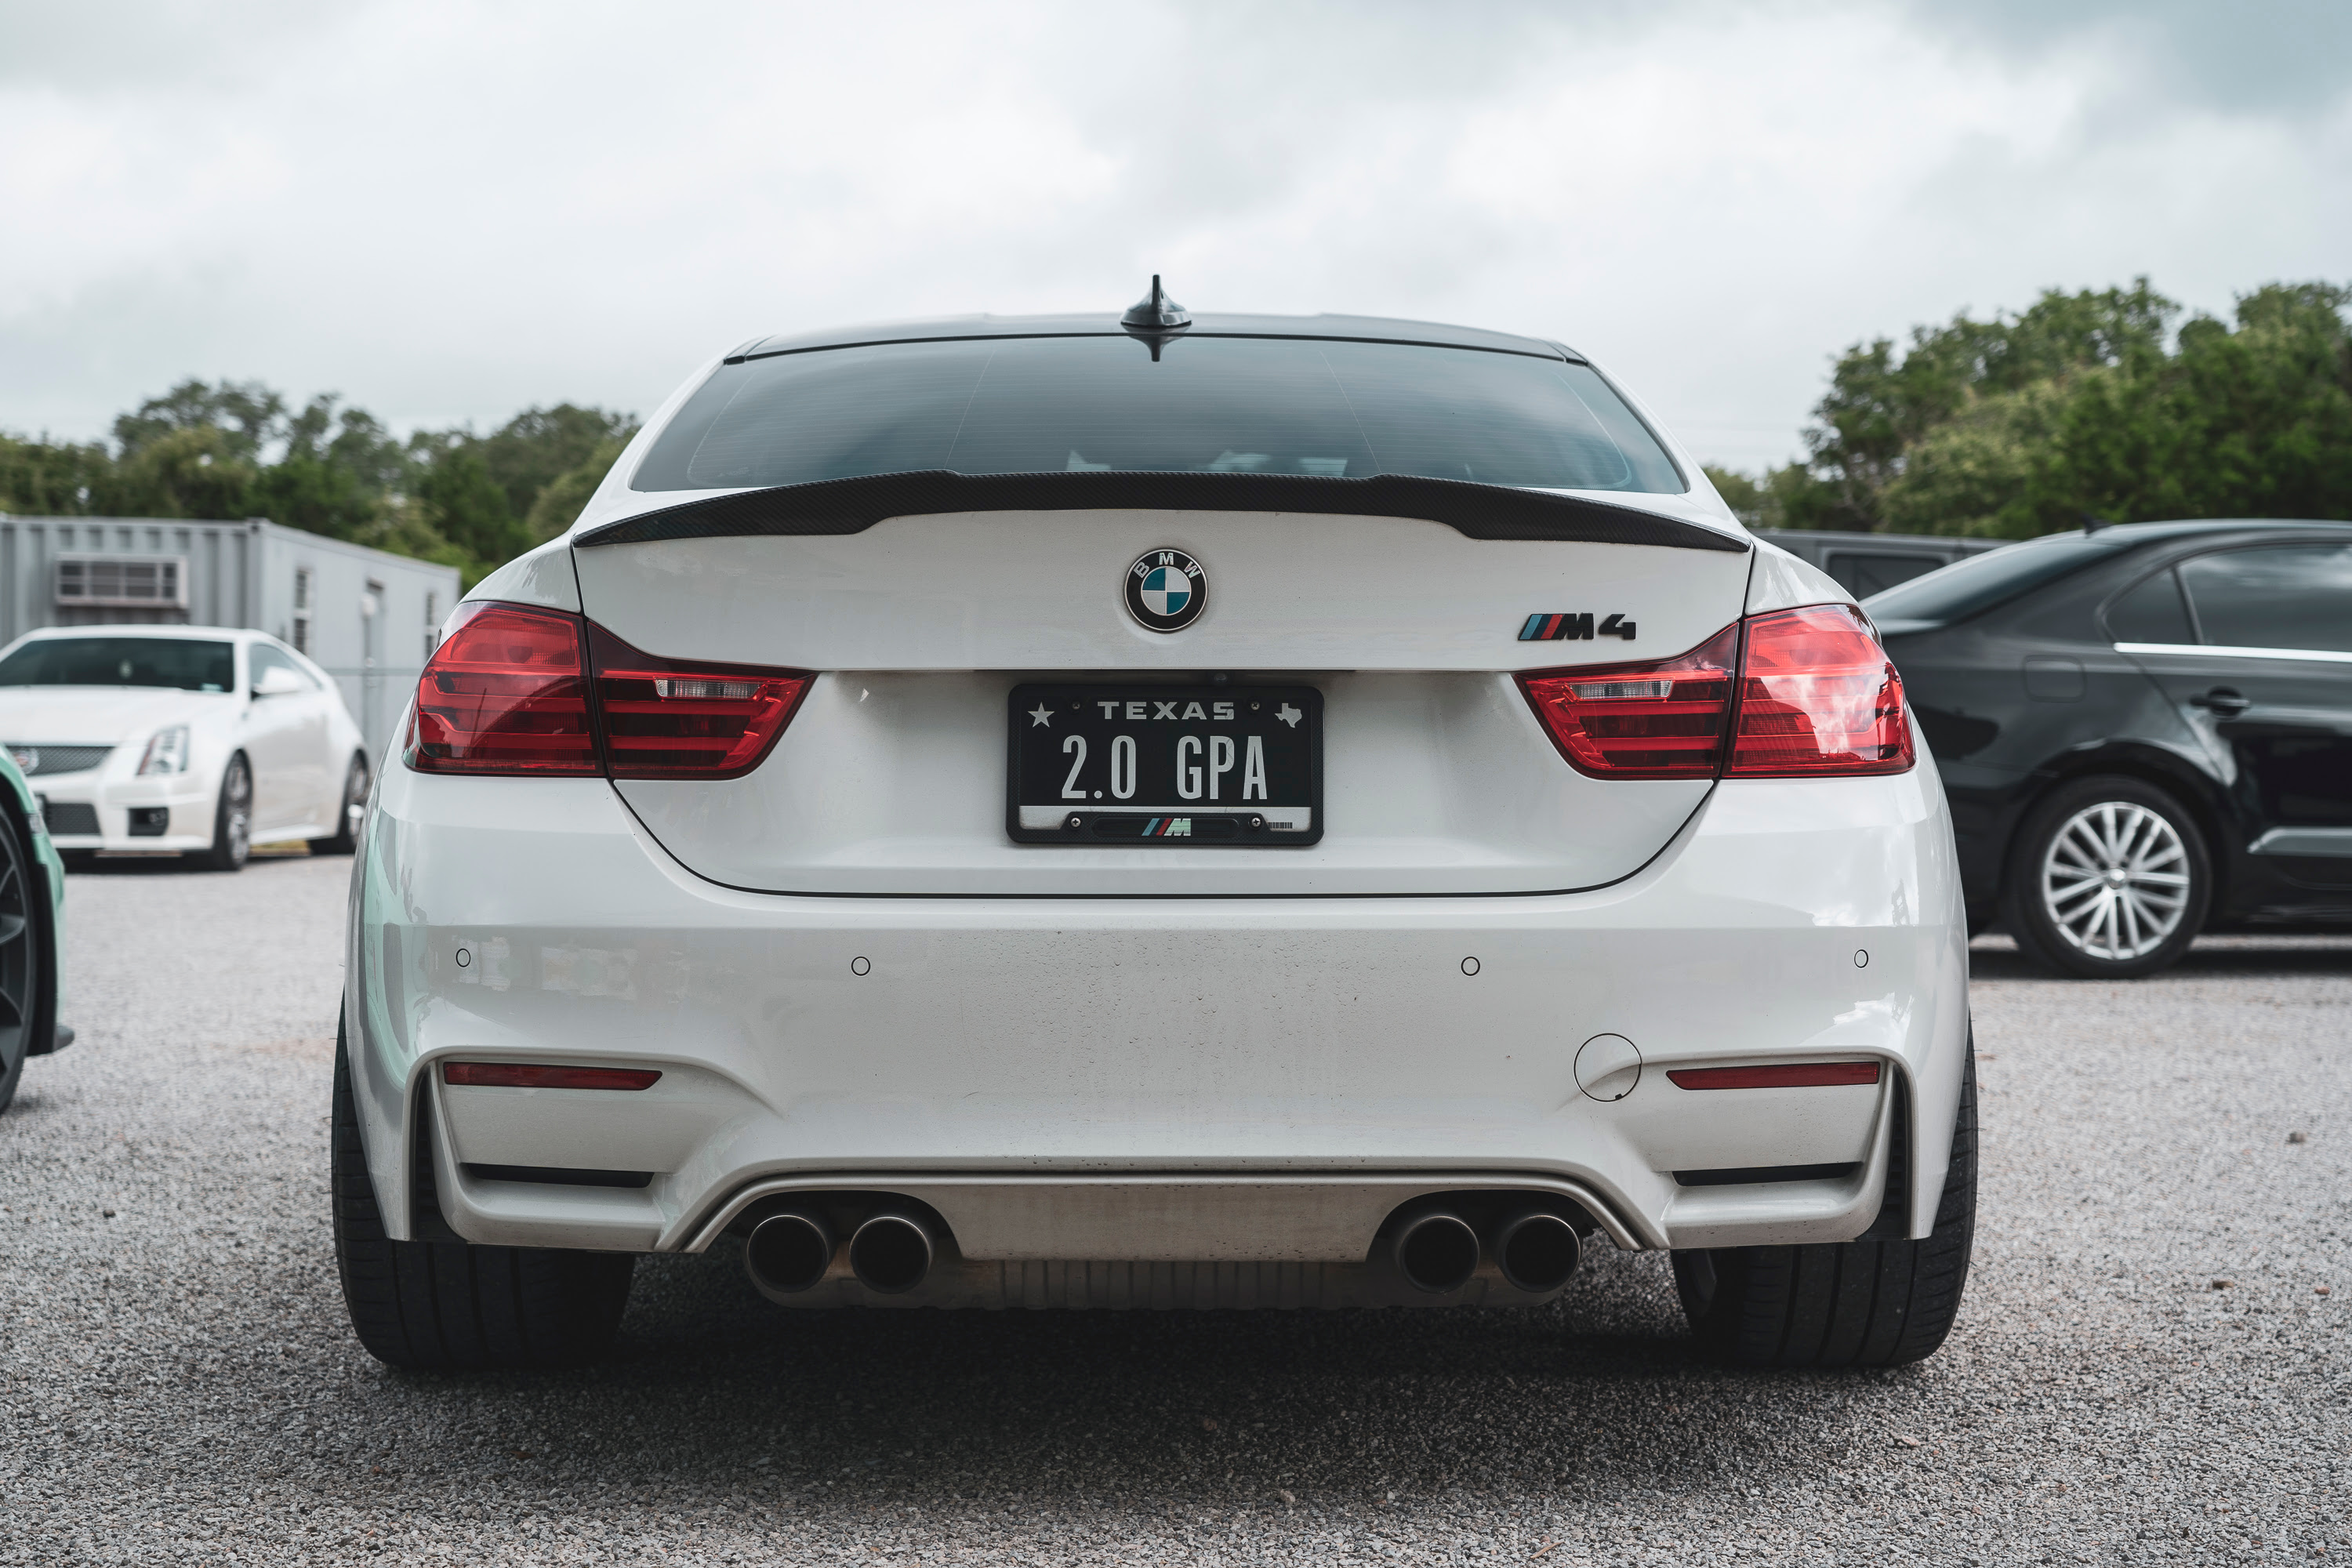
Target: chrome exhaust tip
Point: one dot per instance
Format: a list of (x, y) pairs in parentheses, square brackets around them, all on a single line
[(1437, 1252), (891, 1253), (1538, 1251), (788, 1253)]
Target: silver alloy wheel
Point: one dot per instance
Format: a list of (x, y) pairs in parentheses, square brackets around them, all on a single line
[(355, 795), (236, 818), (2114, 880)]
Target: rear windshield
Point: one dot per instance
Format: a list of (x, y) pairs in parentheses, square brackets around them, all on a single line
[(1207, 404), (1967, 587), (184, 662)]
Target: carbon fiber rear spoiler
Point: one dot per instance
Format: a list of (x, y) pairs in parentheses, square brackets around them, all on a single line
[(852, 506)]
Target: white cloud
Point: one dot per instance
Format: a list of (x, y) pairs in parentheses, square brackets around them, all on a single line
[(450, 211)]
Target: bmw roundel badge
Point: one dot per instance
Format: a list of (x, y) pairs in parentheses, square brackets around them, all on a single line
[(1166, 590)]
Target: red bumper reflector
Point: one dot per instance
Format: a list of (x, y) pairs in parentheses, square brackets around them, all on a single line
[(1796, 1075), (526, 1075)]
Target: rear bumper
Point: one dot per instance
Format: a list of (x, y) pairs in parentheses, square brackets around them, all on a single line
[(1242, 1080)]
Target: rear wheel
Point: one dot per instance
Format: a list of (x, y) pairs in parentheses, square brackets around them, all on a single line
[(20, 956), (2109, 879), (346, 837), (444, 1306), (232, 820), (1876, 1301)]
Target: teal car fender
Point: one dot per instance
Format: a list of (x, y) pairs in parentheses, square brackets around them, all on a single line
[(17, 799)]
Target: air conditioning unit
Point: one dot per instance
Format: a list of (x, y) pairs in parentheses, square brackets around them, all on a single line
[(122, 582)]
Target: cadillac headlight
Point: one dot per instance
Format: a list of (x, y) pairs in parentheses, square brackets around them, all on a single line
[(167, 753)]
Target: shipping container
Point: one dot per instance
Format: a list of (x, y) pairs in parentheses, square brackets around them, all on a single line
[(369, 617)]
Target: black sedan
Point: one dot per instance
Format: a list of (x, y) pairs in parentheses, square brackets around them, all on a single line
[(2145, 731)]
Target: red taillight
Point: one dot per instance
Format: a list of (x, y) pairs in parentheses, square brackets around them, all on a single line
[(1660, 720), (504, 693), (668, 720), (509, 691), (1817, 697), (1795, 1075), (522, 1075)]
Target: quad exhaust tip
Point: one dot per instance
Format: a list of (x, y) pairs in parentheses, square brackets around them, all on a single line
[(791, 1251), (1437, 1252), (1538, 1251), (891, 1253), (788, 1253)]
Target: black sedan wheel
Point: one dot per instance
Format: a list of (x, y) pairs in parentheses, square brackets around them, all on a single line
[(21, 908), (2109, 879)]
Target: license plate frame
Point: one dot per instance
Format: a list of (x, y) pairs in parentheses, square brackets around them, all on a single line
[(1283, 811)]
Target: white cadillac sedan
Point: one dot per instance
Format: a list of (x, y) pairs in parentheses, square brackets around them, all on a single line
[(1147, 811), (206, 740)]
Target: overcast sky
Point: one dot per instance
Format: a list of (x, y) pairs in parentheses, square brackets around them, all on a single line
[(450, 211)]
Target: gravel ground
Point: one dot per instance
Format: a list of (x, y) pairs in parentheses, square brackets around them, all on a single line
[(2152, 1363)]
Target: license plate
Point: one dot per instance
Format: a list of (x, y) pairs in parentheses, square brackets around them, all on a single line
[(1221, 766)]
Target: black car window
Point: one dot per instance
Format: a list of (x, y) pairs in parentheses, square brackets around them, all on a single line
[(2283, 596), (1977, 583), (1863, 575), (183, 662), (2152, 611), (1206, 404)]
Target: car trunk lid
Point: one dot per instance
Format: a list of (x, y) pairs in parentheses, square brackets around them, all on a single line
[(892, 778)]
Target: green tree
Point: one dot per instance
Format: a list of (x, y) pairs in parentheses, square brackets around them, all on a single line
[(2252, 422), (403, 527), (2083, 405), (46, 478), (1740, 492), (1881, 405), (560, 502), (198, 471), (530, 451), (336, 474), (463, 505), (1785, 497), (231, 450), (247, 416)]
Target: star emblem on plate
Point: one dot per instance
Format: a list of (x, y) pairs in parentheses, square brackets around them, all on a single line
[(1289, 715), (1041, 714)]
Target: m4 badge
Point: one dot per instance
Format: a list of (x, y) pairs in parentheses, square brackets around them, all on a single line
[(1574, 626)]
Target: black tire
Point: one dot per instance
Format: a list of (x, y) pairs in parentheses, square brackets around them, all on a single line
[(346, 837), (1880, 1301), (23, 916), (2065, 828), (232, 820), (446, 1305)]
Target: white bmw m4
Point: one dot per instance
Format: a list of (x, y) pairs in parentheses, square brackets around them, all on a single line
[(1144, 811)]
